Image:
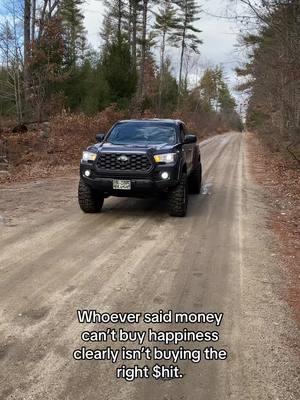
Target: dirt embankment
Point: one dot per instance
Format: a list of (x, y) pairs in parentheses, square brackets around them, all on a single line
[(280, 176)]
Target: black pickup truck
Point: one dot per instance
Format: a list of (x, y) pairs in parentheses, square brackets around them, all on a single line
[(141, 158)]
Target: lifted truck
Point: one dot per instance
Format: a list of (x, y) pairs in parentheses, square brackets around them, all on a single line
[(141, 158)]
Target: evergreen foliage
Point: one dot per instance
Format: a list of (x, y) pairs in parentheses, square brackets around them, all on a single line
[(74, 33), (270, 75), (132, 69)]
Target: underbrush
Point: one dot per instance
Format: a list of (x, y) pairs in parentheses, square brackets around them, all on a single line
[(279, 174), (55, 147)]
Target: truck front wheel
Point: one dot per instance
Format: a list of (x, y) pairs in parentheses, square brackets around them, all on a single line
[(178, 198), (89, 200), (195, 180)]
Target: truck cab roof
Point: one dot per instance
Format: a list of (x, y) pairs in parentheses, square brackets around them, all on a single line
[(160, 120)]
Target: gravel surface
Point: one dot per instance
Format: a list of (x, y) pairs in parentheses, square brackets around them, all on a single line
[(134, 257)]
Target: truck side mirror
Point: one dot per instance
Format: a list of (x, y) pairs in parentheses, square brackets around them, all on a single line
[(100, 137), (190, 139)]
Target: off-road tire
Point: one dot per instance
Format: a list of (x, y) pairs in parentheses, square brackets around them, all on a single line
[(178, 198), (89, 200), (195, 180)]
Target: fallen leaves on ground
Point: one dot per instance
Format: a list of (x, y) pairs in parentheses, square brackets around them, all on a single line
[(280, 176)]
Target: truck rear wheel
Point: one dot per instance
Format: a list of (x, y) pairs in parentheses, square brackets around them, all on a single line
[(89, 200), (178, 199), (195, 180)]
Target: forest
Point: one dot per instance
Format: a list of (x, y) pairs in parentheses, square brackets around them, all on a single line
[(270, 73), (146, 64), (48, 66)]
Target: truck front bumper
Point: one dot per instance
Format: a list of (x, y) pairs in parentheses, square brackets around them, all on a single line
[(141, 186)]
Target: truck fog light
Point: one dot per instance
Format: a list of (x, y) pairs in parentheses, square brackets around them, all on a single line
[(165, 175), (87, 173)]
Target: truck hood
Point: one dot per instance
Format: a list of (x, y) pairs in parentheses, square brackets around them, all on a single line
[(132, 148)]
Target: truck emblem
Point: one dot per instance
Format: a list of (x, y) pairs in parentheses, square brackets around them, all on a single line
[(123, 158)]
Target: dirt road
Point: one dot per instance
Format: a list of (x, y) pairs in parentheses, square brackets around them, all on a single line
[(134, 257)]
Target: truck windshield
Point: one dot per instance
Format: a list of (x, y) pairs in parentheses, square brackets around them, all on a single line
[(142, 133)]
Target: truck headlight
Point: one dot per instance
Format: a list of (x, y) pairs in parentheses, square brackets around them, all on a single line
[(88, 156), (165, 158)]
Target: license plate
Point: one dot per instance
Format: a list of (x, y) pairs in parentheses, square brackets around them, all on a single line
[(121, 184)]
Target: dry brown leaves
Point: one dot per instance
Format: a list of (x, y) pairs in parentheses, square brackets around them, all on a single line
[(280, 176), (54, 148)]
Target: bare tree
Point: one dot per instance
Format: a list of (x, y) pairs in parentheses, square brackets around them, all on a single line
[(26, 50), (11, 58)]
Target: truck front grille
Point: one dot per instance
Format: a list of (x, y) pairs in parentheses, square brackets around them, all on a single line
[(123, 162)]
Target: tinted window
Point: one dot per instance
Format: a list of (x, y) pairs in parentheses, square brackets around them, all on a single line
[(143, 133)]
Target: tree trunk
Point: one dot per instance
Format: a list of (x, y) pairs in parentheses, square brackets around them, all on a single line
[(144, 45), (182, 54), (181, 66), (42, 20), (33, 21), (162, 64), (134, 32), (119, 19), (186, 73), (27, 15), (16, 71), (130, 24)]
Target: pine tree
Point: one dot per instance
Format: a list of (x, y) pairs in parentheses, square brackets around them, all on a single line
[(115, 20), (123, 18), (186, 32), (215, 93), (74, 31), (226, 101), (271, 73), (107, 32), (169, 90), (165, 22), (117, 70)]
